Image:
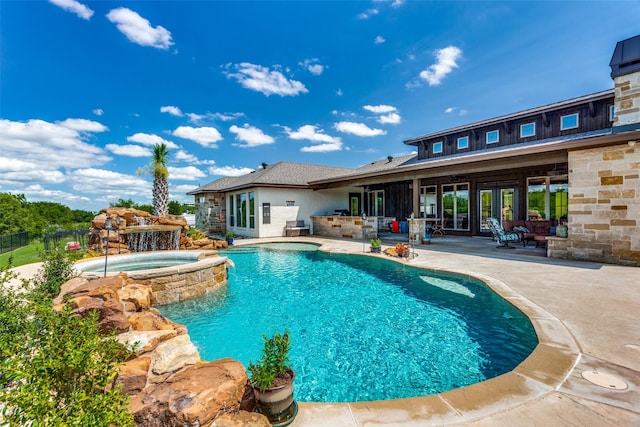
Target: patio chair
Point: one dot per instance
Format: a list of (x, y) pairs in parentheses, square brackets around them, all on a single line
[(438, 228), (501, 236)]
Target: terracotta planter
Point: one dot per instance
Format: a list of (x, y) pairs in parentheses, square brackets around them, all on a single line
[(277, 403)]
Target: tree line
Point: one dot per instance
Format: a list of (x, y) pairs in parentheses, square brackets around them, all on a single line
[(17, 214)]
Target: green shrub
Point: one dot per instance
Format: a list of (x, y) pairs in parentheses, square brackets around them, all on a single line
[(273, 361), (56, 369)]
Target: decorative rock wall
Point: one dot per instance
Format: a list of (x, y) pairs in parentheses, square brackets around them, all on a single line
[(167, 381), (604, 206), (348, 227)]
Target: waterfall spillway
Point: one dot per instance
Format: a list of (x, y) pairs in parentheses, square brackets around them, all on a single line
[(146, 238)]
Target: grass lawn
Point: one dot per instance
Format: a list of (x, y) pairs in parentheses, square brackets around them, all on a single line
[(24, 255)]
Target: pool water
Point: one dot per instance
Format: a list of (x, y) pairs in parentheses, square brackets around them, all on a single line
[(362, 328)]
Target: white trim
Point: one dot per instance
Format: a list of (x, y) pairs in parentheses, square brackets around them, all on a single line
[(439, 144), (522, 126), (462, 138), (562, 118), (497, 132)]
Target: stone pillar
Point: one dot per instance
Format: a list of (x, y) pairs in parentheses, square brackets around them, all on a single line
[(627, 100)]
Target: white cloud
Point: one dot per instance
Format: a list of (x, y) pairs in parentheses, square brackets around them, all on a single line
[(311, 133), (314, 134), (129, 150), (189, 173), (251, 136), (17, 172), (139, 30), (98, 112), (358, 129), (265, 81), (312, 66), (389, 119), (83, 125), (182, 155), (113, 185), (450, 110), (228, 170), (368, 13), (379, 40), (151, 140), (323, 148), (446, 61), (205, 136), (225, 117), (74, 6), (397, 3), (339, 92), (380, 109), (50, 145), (174, 111)]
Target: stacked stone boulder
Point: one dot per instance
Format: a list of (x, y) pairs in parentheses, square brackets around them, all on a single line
[(130, 217), (167, 381)]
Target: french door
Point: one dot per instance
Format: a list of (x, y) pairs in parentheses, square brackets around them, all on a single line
[(498, 202)]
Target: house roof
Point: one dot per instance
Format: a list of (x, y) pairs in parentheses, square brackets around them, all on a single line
[(281, 174)]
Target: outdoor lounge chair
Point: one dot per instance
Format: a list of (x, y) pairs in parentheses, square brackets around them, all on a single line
[(501, 236)]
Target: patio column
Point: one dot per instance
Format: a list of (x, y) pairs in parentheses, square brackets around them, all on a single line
[(416, 197)]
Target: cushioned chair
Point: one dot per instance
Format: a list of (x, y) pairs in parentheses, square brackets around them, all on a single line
[(501, 236)]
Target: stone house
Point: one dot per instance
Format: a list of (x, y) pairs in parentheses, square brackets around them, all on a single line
[(575, 161)]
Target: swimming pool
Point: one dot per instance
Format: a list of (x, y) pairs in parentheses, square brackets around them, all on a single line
[(362, 328)]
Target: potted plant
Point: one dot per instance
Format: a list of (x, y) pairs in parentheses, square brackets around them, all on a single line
[(272, 380), (376, 245), (229, 237), (402, 250)]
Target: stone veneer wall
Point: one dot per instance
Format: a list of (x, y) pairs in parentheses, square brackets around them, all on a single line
[(604, 207), (211, 214), (183, 282), (627, 99), (348, 227)]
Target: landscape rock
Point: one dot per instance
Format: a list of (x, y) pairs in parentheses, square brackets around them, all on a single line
[(241, 419), (145, 341), (174, 354), (139, 295), (132, 375), (193, 396)]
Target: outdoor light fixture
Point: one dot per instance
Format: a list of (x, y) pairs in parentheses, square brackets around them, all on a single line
[(108, 225)]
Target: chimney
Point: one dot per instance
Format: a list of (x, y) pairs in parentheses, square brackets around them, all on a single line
[(625, 71)]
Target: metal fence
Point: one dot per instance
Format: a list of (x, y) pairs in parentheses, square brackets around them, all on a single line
[(53, 240), (10, 242)]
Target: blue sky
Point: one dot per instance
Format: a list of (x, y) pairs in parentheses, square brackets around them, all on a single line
[(87, 88)]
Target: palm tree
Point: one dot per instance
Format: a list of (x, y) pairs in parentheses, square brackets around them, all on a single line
[(158, 168)]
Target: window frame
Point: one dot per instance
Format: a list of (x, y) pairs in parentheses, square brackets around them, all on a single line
[(566, 116), (612, 112), (440, 146), (496, 132), (525, 125), (463, 138)]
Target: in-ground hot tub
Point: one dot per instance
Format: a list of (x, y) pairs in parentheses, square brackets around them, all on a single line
[(172, 275)]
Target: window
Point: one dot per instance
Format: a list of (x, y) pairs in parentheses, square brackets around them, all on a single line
[(428, 202), (252, 211), (463, 143), (569, 121), (242, 218), (201, 199), (437, 147), (527, 130), (612, 112), (231, 212), (455, 206), (239, 213), (376, 203), (547, 198), (493, 136)]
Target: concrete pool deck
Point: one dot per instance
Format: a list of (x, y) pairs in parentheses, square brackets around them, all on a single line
[(586, 315)]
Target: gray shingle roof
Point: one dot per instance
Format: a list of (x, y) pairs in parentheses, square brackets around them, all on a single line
[(286, 174)]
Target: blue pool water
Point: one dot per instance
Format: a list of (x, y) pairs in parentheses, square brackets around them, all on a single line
[(362, 328)]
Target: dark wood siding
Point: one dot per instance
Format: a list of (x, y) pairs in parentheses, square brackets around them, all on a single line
[(593, 115)]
